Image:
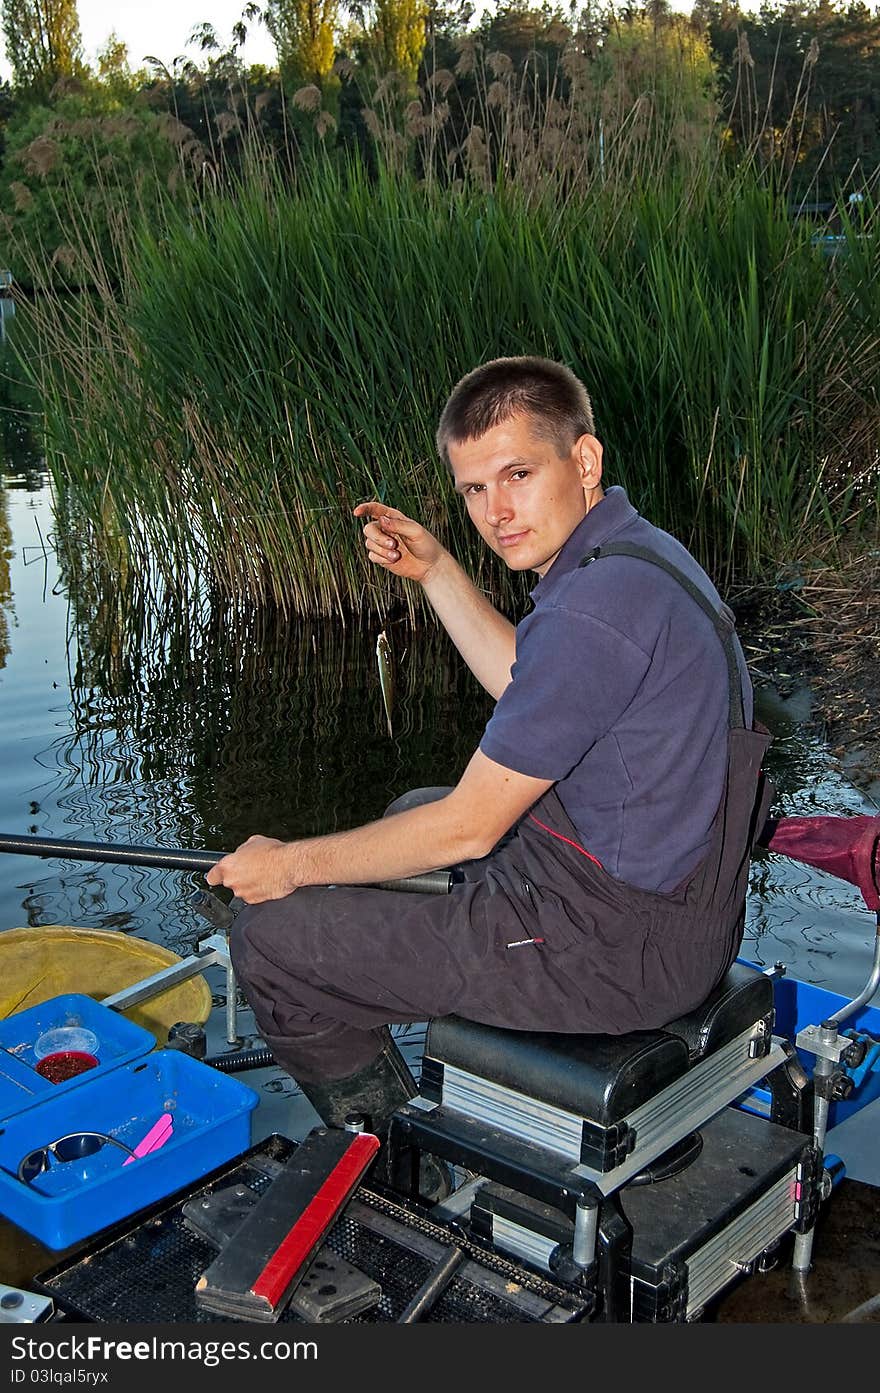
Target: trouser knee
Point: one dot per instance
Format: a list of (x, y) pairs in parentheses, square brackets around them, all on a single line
[(251, 941), (242, 939)]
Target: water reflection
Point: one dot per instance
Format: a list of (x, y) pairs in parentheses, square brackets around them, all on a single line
[(127, 717), (5, 578), (816, 924), (21, 456), (195, 727), (225, 723)]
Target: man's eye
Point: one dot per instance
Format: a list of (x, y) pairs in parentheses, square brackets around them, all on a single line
[(473, 488), (520, 474)]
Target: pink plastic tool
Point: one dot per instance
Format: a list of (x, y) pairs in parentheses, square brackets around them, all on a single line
[(156, 1137)]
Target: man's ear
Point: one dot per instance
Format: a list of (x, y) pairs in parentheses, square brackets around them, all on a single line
[(588, 453)]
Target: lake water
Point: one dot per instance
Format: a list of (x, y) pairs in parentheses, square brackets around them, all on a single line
[(145, 725)]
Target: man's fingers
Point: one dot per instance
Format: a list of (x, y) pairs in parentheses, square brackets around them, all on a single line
[(385, 557), (388, 520), (400, 525), (375, 509), (381, 546), (218, 873), (380, 543)]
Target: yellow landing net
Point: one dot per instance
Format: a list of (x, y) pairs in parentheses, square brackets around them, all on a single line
[(36, 963)]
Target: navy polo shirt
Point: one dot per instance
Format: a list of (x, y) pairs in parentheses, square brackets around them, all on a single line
[(619, 694)]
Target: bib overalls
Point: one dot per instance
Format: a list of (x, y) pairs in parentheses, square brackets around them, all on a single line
[(536, 937)]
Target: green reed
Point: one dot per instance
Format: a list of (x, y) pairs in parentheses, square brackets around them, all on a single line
[(264, 358)]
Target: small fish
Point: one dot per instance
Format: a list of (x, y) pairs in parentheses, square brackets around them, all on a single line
[(386, 675)]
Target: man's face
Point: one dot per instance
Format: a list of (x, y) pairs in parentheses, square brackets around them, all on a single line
[(524, 499)]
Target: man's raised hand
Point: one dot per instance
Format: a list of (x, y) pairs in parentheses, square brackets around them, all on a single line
[(397, 543)]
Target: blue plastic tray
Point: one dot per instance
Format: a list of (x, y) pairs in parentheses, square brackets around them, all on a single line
[(119, 1040), (211, 1114)]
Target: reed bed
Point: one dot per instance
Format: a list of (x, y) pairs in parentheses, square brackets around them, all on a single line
[(842, 628), (213, 703), (248, 366)]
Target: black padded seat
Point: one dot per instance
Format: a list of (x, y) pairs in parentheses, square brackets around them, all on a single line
[(600, 1077), (744, 995)]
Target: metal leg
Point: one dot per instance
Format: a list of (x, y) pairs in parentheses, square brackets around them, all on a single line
[(830, 1047), (803, 1251), (232, 1035), (586, 1223), (822, 1073)]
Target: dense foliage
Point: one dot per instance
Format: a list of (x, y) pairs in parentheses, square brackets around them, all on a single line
[(277, 282), (797, 80), (269, 360)]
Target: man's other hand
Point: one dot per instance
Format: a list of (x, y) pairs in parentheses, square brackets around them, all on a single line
[(256, 871), (397, 543)]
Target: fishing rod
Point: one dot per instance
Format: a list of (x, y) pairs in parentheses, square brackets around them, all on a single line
[(179, 859)]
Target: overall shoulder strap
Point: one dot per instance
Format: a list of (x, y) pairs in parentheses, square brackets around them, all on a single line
[(721, 619)]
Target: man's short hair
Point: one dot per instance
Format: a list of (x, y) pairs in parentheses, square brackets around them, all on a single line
[(549, 392)]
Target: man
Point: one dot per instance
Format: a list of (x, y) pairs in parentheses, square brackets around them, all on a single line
[(620, 752)]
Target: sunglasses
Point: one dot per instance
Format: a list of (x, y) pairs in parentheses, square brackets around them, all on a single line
[(76, 1146)]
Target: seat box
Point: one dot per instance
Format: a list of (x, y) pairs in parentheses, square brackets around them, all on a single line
[(693, 1233), (696, 1232), (118, 1041), (73, 1199)]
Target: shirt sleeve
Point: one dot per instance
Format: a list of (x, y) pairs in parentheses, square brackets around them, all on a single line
[(573, 678)]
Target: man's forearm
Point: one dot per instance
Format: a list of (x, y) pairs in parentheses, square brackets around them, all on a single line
[(467, 823), (483, 637), (408, 843), (420, 839)]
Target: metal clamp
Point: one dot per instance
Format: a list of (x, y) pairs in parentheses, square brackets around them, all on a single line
[(212, 952), (823, 1042), (19, 1307)]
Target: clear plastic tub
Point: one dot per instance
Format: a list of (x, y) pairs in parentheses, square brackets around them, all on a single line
[(25, 1035), (64, 1038)]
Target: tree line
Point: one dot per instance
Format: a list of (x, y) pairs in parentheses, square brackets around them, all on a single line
[(284, 264), (798, 76)]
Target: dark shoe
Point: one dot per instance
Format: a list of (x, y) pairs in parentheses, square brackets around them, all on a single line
[(375, 1091)]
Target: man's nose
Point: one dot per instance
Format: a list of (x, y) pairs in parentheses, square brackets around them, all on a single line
[(497, 506)]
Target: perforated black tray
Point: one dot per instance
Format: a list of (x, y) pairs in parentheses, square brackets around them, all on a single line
[(145, 1271)]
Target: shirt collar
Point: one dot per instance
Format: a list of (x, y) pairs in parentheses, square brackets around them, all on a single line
[(610, 515)]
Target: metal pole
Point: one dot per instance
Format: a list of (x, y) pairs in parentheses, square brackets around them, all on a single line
[(232, 1036), (867, 991), (586, 1222)]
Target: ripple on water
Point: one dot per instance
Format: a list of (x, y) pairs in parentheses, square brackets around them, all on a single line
[(181, 731)]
